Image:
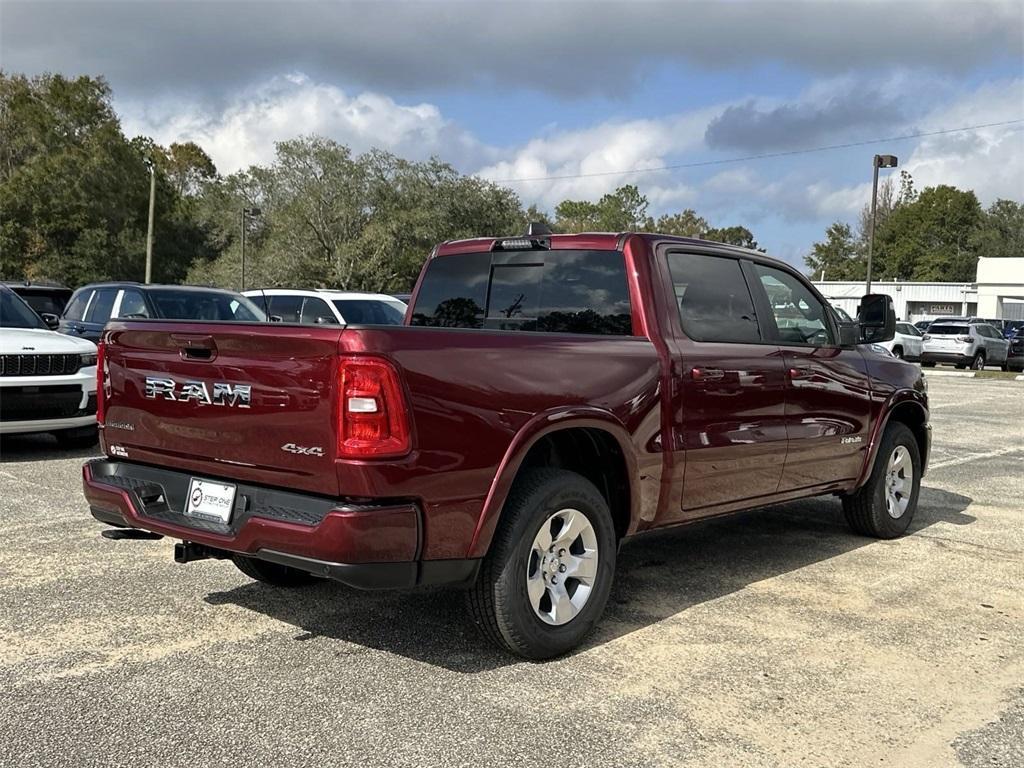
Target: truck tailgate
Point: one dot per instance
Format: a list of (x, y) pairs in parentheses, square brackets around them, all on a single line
[(177, 398)]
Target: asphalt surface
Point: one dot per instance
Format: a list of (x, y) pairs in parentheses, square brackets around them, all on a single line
[(774, 638)]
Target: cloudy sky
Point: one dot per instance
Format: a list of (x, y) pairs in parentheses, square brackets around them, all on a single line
[(571, 99)]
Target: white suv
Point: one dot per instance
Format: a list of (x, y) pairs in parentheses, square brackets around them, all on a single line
[(907, 343), (47, 380), (324, 307)]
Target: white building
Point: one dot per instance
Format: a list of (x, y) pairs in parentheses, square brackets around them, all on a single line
[(998, 294)]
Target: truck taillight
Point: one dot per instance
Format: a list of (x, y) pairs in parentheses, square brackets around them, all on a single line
[(373, 417), (101, 382)]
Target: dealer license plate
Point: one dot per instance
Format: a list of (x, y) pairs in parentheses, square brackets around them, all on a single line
[(210, 500)]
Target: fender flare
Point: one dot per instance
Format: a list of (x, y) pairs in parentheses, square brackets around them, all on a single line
[(539, 426), (897, 398)]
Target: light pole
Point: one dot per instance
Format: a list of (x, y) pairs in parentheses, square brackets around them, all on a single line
[(880, 161), (149, 231), (246, 212)]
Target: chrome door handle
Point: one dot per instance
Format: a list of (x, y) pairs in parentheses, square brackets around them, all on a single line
[(707, 374)]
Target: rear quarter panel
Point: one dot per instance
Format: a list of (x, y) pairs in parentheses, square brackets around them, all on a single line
[(473, 394)]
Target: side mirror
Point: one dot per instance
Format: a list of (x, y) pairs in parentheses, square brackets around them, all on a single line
[(876, 318), (849, 334), (51, 320)]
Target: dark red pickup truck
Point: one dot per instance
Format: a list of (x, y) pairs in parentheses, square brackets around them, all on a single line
[(548, 397)]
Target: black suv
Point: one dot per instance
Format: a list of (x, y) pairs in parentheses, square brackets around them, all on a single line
[(93, 305), (46, 298)]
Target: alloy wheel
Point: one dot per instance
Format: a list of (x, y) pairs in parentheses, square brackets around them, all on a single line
[(562, 566), (899, 482)]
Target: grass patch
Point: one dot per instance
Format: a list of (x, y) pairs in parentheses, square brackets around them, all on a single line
[(1008, 375)]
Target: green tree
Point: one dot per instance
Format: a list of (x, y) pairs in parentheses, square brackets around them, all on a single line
[(932, 238), (1001, 231), (619, 211), (838, 257), (333, 219), (735, 235), (684, 224), (74, 191)]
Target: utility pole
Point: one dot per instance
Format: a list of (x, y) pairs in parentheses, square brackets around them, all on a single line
[(879, 161), (246, 212), (243, 247), (149, 230)]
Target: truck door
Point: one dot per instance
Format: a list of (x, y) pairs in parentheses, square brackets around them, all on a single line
[(730, 418), (828, 390)]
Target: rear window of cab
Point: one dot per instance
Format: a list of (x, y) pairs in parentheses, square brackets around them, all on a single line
[(570, 291)]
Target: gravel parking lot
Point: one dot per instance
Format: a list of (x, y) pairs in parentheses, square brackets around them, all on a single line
[(770, 638)]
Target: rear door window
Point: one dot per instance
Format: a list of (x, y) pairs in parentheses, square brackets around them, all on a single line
[(549, 291), (75, 310), (371, 311), (316, 312), (288, 308), (102, 306), (713, 299), (133, 304)]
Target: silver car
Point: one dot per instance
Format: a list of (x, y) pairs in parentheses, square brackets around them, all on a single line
[(907, 343), (964, 344)]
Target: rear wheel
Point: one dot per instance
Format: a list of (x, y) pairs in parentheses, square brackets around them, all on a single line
[(544, 584), (272, 573), (927, 364), (884, 506), (978, 361)]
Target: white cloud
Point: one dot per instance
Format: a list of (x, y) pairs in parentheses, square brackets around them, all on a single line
[(988, 160), (591, 156), (244, 132)]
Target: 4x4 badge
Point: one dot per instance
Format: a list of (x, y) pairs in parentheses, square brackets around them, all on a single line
[(315, 450)]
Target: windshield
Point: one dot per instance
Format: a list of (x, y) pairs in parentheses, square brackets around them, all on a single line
[(15, 313), (218, 306), (371, 311)]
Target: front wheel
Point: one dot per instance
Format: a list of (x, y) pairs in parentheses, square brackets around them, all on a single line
[(897, 352), (546, 579), (884, 506)]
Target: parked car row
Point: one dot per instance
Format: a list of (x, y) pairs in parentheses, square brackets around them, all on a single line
[(48, 378)]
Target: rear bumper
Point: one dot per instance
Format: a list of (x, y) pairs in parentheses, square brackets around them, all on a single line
[(366, 545), (945, 357)]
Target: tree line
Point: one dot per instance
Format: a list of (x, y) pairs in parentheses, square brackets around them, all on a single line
[(74, 194), (935, 235)]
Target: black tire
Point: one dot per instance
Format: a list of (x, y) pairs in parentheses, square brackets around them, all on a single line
[(897, 352), (865, 509), (978, 361), (927, 364), (76, 439), (272, 573), (499, 603)]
